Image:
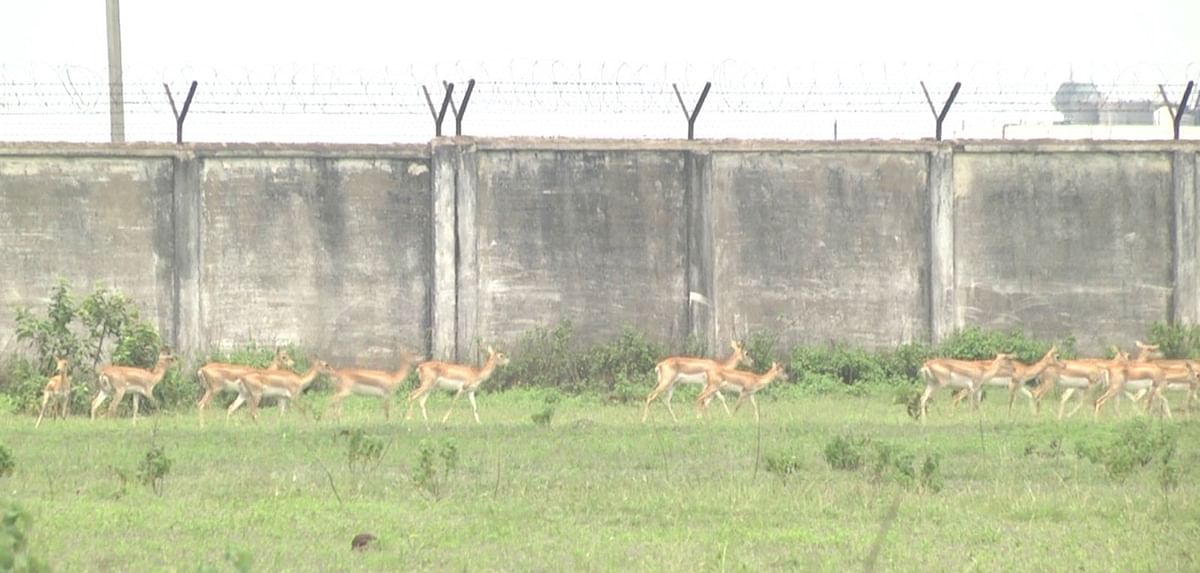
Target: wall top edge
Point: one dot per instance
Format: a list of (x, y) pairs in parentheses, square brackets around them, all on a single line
[(425, 151)]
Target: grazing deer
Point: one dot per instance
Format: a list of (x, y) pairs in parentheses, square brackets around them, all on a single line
[(456, 378), (58, 388), (117, 380), (746, 384), (371, 383), (217, 377), (691, 370)]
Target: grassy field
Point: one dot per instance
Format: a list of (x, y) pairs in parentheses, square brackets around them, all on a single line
[(595, 489)]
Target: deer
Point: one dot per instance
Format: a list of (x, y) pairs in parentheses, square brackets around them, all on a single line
[(1016, 380), (744, 383), (965, 374), (282, 384), (691, 370), (378, 383), (217, 377), (117, 380), (58, 388), (1177, 383), (457, 378)]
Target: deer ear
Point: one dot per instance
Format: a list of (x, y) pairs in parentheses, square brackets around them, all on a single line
[(491, 350)]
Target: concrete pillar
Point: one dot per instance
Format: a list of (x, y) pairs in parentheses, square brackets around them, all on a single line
[(467, 269), (185, 335), (942, 304), (701, 305), (1184, 190), (444, 315)]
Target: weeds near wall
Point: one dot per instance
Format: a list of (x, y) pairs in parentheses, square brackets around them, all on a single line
[(152, 471), (82, 331)]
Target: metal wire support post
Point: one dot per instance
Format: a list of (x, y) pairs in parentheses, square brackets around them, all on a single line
[(941, 117), (438, 116), (458, 111), (180, 115), (691, 116), (1177, 113)]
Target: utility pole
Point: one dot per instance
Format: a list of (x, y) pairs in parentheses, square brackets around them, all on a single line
[(116, 89)]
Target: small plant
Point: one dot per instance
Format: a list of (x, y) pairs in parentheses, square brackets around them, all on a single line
[(363, 452), (930, 477), (425, 474), (153, 469), (543, 417), (892, 462), (846, 452), (783, 465), (15, 524), (1135, 447), (7, 463)]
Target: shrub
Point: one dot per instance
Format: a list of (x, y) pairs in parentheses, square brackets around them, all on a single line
[(79, 331), (974, 343), (153, 469), (1176, 340), (553, 358), (425, 474), (363, 452), (783, 465), (15, 524), (1136, 446), (7, 463), (846, 452)]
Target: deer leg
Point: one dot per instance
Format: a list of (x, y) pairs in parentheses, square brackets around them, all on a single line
[(667, 402), (474, 408), (116, 401), (45, 400), (754, 403), (237, 403), (452, 403), (100, 397), (137, 403), (925, 400)]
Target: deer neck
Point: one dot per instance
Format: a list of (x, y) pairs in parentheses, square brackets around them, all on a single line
[(160, 369), (488, 368), (733, 360), (308, 377)]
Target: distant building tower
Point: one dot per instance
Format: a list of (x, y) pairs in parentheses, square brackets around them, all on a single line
[(1078, 102)]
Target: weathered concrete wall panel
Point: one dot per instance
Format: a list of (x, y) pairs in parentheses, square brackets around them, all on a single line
[(822, 246), (596, 237), (332, 253), (1057, 243), (88, 220)]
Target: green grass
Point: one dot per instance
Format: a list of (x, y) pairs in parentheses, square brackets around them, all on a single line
[(596, 490)]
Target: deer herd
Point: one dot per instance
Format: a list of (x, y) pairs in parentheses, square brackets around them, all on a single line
[(1146, 374)]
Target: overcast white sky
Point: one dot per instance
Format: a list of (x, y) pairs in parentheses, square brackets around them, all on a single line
[(376, 33), (1029, 42)]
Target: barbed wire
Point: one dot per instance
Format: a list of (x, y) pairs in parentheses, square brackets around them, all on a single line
[(602, 99)]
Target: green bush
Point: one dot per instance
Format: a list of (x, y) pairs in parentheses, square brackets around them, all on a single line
[(1136, 445), (1176, 340), (846, 452), (783, 465), (974, 343), (153, 469), (7, 463), (553, 358), (15, 525), (81, 331)]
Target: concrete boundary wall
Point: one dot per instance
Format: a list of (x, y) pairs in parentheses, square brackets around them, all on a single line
[(355, 251)]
